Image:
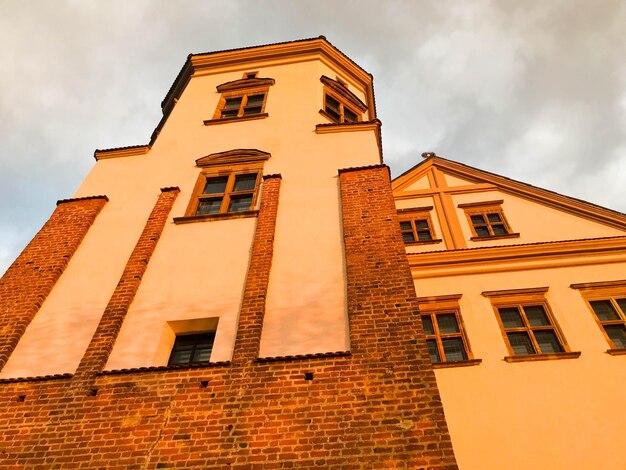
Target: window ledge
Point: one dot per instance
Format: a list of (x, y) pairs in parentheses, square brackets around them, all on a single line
[(466, 363), (617, 352), (215, 217), (210, 122), (423, 242), (543, 357), (482, 239)]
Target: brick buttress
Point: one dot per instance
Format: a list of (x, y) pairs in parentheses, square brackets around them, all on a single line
[(28, 281)]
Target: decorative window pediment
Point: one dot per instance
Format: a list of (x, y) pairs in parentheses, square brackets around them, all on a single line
[(244, 83), (231, 157)]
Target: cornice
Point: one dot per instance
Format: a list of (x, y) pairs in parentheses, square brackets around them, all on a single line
[(516, 257), (130, 151), (245, 83)]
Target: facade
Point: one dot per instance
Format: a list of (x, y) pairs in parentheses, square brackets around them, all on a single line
[(241, 293)]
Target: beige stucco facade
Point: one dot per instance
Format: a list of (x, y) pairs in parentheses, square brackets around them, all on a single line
[(553, 413), (198, 269)]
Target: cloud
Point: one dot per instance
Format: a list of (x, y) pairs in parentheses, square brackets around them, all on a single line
[(532, 90)]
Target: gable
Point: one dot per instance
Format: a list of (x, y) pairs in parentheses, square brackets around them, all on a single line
[(532, 214)]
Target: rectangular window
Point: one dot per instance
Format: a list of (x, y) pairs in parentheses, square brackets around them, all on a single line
[(487, 220), (528, 326), (607, 301), (338, 111), (247, 104), (234, 192), (192, 348), (444, 330), (417, 230), (444, 337), (529, 330)]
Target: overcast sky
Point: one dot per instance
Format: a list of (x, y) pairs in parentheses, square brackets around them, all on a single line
[(532, 90)]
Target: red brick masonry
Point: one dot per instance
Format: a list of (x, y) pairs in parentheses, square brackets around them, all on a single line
[(376, 408), (28, 281)]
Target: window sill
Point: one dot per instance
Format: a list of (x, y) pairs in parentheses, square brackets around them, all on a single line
[(543, 357), (215, 217), (466, 363), (482, 239), (617, 352), (423, 242), (210, 122)]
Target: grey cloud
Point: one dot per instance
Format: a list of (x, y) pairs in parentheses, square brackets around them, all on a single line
[(532, 90)]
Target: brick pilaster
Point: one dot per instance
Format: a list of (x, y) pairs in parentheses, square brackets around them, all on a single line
[(385, 329), (28, 281), (102, 342), (257, 279)]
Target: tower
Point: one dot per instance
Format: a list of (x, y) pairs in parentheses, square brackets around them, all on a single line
[(234, 293)]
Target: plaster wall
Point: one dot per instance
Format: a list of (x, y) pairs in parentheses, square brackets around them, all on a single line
[(562, 413)]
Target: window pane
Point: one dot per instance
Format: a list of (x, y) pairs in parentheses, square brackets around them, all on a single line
[(617, 333), (232, 103), (478, 219), (421, 223), (494, 217), (332, 103), (349, 116), (604, 310), (255, 100), (428, 325), (547, 341), (432, 351), (537, 316), (215, 185), (180, 357), (202, 354), (447, 323), (453, 349), (209, 206), (245, 182), (252, 110), (240, 203), (520, 344), (622, 305), (424, 235), (408, 237), (405, 226), (499, 229), (511, 317), (482, 231)]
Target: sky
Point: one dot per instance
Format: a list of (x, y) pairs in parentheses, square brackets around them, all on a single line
[(532, 90)]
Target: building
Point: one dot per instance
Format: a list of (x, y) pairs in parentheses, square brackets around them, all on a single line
[(241, 293)]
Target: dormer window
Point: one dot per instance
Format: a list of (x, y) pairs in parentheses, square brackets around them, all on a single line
[(242, 99), (340, 104)]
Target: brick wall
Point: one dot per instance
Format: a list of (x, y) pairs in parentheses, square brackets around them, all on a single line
[(28, 281), (374, 408)]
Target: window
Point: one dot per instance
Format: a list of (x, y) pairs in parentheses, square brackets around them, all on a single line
[(416, 226), (444, 330), (242, 99), (487, 220), (611, 315), (417, 230), (227, 193), (528, 326), (340, 104), (607, 301), (227, 186), (192, 348)]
